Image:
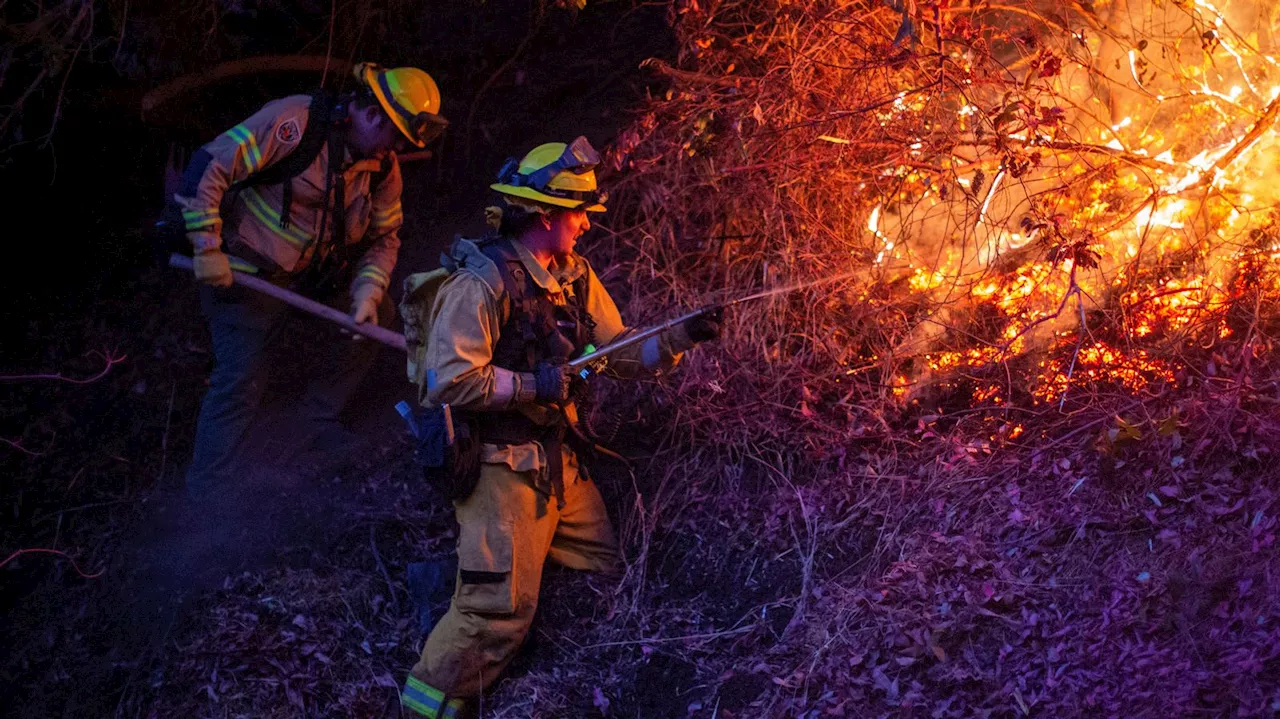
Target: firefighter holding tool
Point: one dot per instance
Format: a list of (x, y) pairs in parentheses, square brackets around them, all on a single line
[(305, 194)]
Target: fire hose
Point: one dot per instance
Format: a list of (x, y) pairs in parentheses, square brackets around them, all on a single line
[(595, 358)]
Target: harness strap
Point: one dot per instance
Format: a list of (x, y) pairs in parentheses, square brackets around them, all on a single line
[(535, 323)]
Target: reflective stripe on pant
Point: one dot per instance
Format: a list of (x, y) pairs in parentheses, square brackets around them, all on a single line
[(506, 532), (244, 325), (427, 701)]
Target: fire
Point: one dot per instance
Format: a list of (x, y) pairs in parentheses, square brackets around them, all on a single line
[(923, 280), (1099, 365), (1173, 305), (1098, 250), (947, 361), (1166, 216)]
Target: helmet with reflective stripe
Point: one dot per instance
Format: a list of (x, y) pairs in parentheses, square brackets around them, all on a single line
[(409, 97), (555, 174)]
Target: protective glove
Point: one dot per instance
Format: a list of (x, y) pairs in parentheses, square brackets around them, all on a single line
[(212, 268), (364, 302), (704, 327), (551, 382)]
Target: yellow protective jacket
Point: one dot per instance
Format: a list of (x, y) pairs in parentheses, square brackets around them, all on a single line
[(250, 217), (453, 330)]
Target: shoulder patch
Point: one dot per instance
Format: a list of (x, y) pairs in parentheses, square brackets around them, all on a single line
[(288, 131)]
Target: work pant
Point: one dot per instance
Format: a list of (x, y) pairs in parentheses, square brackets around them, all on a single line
[(507, 531), (245, 326)]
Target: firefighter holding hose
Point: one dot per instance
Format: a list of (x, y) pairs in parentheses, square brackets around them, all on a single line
[(493, 338)]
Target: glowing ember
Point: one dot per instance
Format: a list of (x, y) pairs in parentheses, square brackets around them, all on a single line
[(1172, 305), (1100, 364)]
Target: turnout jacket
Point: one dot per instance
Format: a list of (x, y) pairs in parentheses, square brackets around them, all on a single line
[(465, 324), (250, 217)]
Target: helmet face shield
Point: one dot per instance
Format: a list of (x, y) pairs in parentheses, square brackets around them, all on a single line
[(510, 172)]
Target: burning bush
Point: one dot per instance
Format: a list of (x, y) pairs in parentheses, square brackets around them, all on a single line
[(1007, 182), (1059, 225)]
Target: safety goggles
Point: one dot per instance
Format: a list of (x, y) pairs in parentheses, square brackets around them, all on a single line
[(427, 127), (579, 158), (423, 125)]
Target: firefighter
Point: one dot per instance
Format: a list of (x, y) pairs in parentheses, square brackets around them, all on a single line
[(500, 328), (306, 194)]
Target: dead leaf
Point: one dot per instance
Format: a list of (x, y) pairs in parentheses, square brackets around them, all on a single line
[(295, 696), (600, 701)]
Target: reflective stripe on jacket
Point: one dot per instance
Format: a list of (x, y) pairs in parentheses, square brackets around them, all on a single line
[(251, 218), (464, 324)]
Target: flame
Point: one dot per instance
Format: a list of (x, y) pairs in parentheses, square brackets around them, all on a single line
[(1166, 216), (1100, 364), (923, 280), (1115, 253)]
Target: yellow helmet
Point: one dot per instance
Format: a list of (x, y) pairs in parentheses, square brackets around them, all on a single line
[(555, 174), (410, 98)]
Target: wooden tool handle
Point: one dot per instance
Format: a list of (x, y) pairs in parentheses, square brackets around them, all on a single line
[(293, 299)]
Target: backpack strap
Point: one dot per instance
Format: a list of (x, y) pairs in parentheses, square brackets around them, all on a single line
[(338, 148), (455, 258), (532, 324), (586, 323), (314, 135), (520, 297)]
